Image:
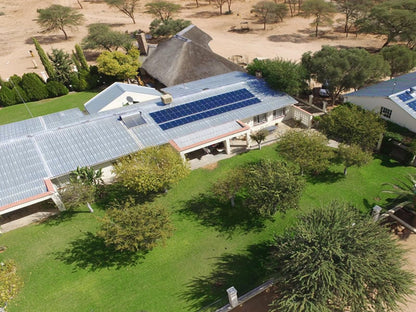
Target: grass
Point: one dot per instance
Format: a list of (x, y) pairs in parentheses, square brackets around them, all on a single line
[(19, 112), (66, 269)]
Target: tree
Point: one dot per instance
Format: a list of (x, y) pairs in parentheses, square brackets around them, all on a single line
[(269, 12), (125, 6), (75, 195), (392, 19), (58, 17), (321, 10), (118, 64), (219, 4), (81, 57), (334, 259), (44, 59), (405, 192), (168, 28), (353, 10), (7, 97), (227, 188), (343, 69), (10, 282), (34, 87), (400, 58), (153, 169), (259, 137), (272, 186), (353, 125), (100, 36), (61, 62), (131, 227), (352, 156), (282, 75), (308, 149), (162, 10)]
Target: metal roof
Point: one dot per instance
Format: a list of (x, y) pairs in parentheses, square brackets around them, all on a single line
[(406, 100), (56, 144)]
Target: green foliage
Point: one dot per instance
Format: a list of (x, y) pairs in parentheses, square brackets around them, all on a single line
[(404, 191), (353, 125), (58, 17), (75, 60), (259, 136), (86, 175), (131, 227), (125, 6), (61, 62), (158, 28), (81, 57), (286, 76), (7, 96), (353, 155), (75, 195), (321, 10), (153, 169), (400, 58), (227, 187), (334, 259), (162, 10), (353, 11), (100, 36), (34, 86), (56, 88), (44, 59), (118, 64), (344, 69), (269, 12), (14, 84), (10, 282), (308, 149)]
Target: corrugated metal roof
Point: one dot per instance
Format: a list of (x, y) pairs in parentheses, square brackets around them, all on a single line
[(389, 87)]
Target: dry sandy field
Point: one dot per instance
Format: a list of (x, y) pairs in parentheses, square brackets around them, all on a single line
[(288, 40)]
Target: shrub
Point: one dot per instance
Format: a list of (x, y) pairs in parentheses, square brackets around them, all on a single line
[(75, 195), (10, 282), (7, 96), (56, 88), (34, 87)]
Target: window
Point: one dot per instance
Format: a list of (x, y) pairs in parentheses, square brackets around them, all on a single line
[(278, 113), (385, 112), (260, 119)]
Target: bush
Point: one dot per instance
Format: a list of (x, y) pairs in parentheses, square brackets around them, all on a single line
[(56, 88), (75, 195), (34, 87), (159, 28), (10, 282), (7, 96)]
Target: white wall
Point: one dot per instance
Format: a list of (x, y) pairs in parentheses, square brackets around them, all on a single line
[(121, 100), (398, 115)]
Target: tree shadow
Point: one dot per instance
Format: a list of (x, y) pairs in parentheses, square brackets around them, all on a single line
[(203, 14), (222, 216), (294, 38), (327, 177), (90, 253), (244, 271), (62, 216), (47, 39), (386, 161)]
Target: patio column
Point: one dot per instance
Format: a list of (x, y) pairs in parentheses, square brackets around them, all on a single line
[(248, 139), (182, 156), (227, 146), (58, 201)]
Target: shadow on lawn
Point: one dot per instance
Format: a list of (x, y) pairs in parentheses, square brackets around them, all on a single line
[(244, 271), (224, 218), (327, 177), (386, 161), (90, 252)]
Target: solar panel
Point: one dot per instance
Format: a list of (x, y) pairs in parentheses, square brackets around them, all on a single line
[(133, 120), (405, 96), (412, 105)]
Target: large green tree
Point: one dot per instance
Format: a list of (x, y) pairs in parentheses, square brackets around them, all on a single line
[(400, 58), (100, 36), (282, 75), (269, 12), (344, 69), (58, 17), (120, 65), (125, 6), (153, 169), (320, 10), (306, 148), (162, 10), (132, 227), (352, 125), (353, 10), (62, 63), (334, 259), (352, 155)]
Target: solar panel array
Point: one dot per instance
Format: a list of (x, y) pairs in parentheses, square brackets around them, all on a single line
[(405, 96), (134, 120), (197, 110), (412, 105)]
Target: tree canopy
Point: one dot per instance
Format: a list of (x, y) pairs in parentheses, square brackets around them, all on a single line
[(269, 12), (162, 10), (308, 149), (352, 155), (153, 169), (353, 10), (61, 62), (170, 27), (120, 65), (259, 136), (127, 7), (58, 17), (321, 10), (400, 58), (100, 36), (334, 259), (353, 125), (343, 69)]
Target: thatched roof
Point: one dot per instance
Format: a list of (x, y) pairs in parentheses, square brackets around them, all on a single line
[(186, 57)]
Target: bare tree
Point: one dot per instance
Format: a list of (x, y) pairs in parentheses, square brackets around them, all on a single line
[(126, 6)]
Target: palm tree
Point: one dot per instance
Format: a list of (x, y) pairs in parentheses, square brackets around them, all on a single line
[(405, 191)]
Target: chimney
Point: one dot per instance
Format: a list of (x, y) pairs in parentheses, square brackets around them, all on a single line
[(166, 98), (232, 296), (142, 42)]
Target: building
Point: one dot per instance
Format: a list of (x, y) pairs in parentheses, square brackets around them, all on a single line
[(394, 100), (37, 155)]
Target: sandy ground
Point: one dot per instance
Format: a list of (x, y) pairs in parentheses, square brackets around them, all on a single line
[(288, 40)]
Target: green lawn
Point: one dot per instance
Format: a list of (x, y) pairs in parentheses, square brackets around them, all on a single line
[(66, 269), (19, 112)]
